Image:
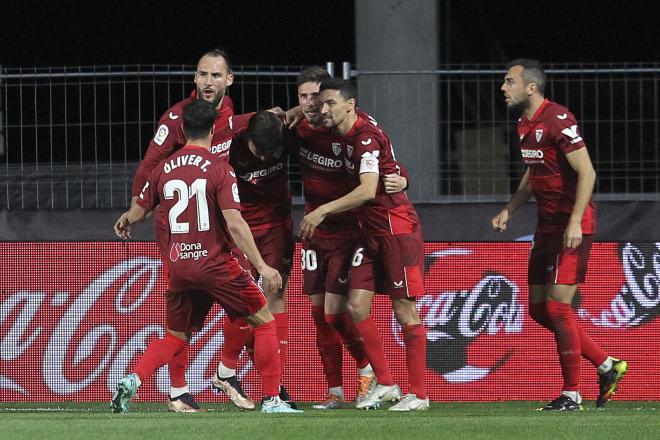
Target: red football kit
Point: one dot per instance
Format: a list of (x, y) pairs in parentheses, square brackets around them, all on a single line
[(545, 139), (192, 187), (390, 257)]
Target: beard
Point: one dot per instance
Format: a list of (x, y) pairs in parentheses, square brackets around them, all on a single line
[(215, 101), (518, 107)]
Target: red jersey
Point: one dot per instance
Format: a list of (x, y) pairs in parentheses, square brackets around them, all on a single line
[(263, 185), (192, 187), (545, 140), (324, 178), (368, 149), (169, 137)]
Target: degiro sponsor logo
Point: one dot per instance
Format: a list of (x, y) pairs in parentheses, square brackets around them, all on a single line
[(531, 154), (252, 175), (186, 251)]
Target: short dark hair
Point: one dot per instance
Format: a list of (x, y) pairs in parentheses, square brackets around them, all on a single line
[(218, 52), (314, 74), (346, 89), (265, 132), (198, 119), (532, 72)]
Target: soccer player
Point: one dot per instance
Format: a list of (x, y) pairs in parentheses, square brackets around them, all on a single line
[(212, 77), (259, 155), (327, 254), (561, 177), (192, 187), (389, 256)]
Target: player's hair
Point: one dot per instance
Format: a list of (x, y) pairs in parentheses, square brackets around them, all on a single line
[(198, 119), (532, 72), (312, 74), (218, 52), (265, 132), (345, 88)]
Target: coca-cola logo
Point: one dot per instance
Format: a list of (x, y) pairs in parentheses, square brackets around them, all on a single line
[(86, 344), (638, 300), (455, 318)]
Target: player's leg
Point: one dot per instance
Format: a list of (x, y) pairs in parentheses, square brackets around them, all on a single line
[(180, 398), (184, 310), (236, 334), (338, 318), (329, 347), (414, 339)]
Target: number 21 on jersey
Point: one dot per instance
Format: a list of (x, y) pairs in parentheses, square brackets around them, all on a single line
[(180, 189)]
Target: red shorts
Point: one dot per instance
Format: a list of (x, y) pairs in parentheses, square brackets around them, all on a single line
[(325, 265), (550, 263), (276, 247), (187, 307), (391, 264)]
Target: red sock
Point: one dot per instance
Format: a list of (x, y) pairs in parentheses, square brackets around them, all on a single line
[(236, 335), (414, 337), (177, 366), (329, 346), (539, 313), (373, 346), (266, 359), (590, 351), (344, 326), (282, 323), (158, 353), (567, 337)]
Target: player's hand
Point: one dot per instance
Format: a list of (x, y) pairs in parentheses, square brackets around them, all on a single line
[(394, 183), (271, 279), (123, 227), (500, 221), (293, 116), (310, 222), (277, 111), (572, 236)]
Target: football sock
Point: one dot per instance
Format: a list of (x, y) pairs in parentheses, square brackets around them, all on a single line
[(538, 312), (567, 338), (373, 346), (158, 353), (329, 347), (178, 391), (177, 368), (337, 391), (225, 372), (266, 359), (282, 324), (414, 338), (236, 335), (344, 326), (366, 371), (574, 395), (605, 366), (590, 351)]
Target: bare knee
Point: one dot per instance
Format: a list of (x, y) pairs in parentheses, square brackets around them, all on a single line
[(405, 312)]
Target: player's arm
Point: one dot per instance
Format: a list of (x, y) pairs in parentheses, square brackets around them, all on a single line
[(519, 198), (581, 163), (396, 182), (125, 222), (242, 236), (363, 193)]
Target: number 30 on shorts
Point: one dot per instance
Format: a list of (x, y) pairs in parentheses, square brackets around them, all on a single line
[(309, 260)]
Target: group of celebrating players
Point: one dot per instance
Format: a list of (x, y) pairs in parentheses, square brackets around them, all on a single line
[(217, 184)]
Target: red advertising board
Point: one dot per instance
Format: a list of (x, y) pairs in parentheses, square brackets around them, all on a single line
[(74, 316)]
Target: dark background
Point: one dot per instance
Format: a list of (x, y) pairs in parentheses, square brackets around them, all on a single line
[(70, 33)]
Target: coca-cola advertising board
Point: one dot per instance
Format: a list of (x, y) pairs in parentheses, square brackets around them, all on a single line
[(74, 317)]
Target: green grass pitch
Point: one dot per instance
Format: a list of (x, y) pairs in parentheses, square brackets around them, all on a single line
[(500, 420)]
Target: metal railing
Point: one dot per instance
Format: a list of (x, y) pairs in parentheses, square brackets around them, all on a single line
[(71, 138)]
